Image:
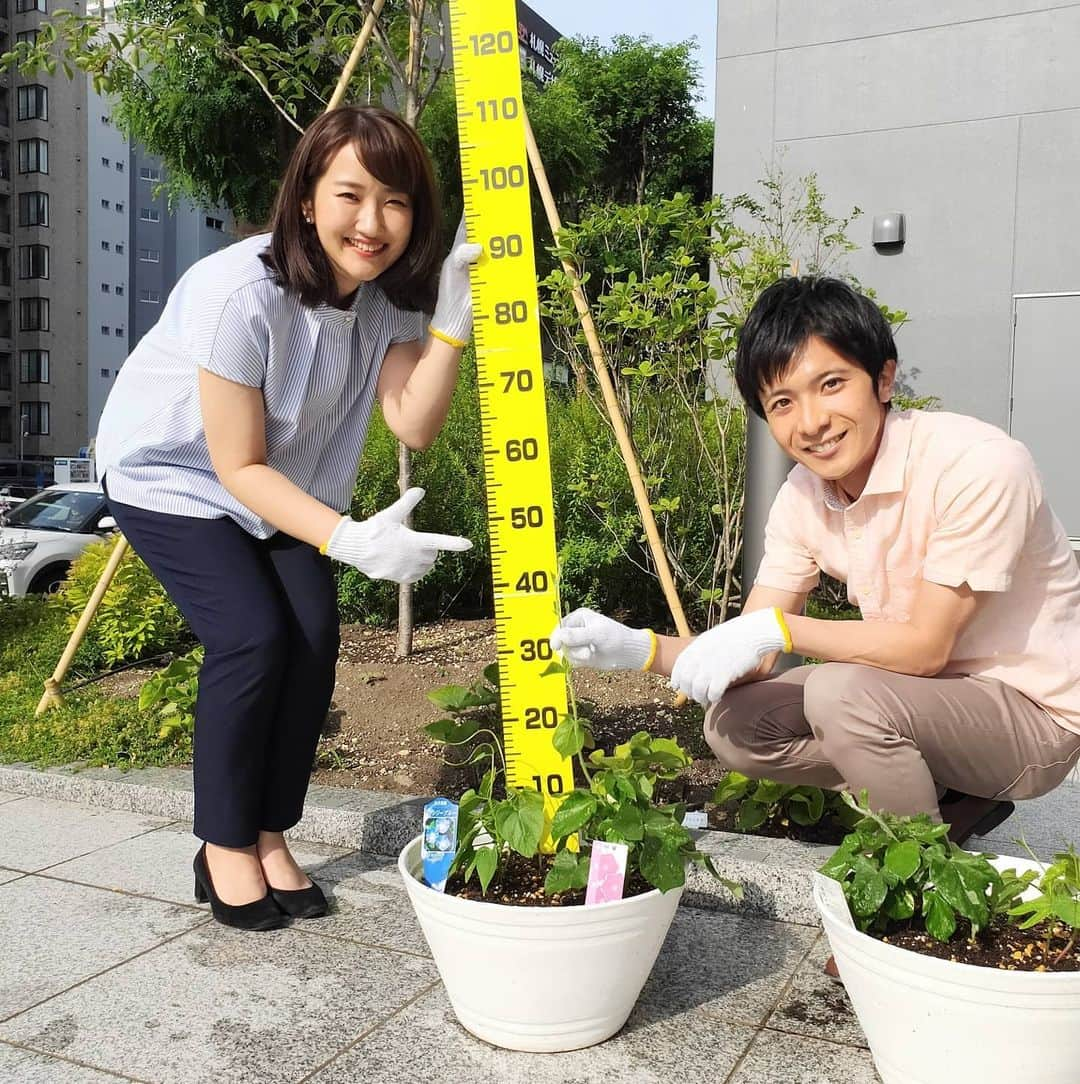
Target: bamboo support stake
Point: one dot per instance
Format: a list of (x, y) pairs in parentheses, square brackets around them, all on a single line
[(354, 57), (51, 697), (603, 377)]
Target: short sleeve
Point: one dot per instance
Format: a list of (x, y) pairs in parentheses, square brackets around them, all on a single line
[(984, 506), (788, 564), (235, 344), (405, 326)]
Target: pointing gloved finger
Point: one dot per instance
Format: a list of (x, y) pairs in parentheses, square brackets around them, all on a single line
[(575, 637), (452, 542)]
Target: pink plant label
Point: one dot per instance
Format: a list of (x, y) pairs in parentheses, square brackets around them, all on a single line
[(607, 871)]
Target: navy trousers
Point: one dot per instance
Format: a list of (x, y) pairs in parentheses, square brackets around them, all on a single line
[(266, 614)]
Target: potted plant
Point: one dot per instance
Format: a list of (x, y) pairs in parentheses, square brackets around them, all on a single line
[(525, 964), (960, 966)]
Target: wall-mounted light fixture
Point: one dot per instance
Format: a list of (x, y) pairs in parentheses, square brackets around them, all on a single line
[(889, 232)]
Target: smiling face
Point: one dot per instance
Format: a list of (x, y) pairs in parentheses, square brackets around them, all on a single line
[(825, 412), (363, 225)]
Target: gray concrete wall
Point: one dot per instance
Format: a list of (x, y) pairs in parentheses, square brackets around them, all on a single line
[(962, 114)]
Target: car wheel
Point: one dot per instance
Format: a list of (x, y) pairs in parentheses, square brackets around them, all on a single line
[(49, 580)]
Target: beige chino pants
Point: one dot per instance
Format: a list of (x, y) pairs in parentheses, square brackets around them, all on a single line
[(843, 725)]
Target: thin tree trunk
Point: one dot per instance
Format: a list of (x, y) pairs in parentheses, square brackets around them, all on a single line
[(413, 68)]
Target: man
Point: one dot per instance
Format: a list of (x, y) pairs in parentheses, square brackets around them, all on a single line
[(963, 672)]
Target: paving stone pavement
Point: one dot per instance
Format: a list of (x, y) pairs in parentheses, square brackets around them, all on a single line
[(109, 971)]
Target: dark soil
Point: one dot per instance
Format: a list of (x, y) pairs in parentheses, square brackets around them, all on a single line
[(723, 819), (520, 883), (374, 739), (1000, 945)]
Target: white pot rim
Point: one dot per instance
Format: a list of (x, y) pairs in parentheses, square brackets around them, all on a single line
[(909, 960), (517, 909)]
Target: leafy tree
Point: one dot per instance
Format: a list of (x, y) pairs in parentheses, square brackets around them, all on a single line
[(640, 96)]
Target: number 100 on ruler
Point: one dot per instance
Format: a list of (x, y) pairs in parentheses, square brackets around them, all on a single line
[(517, 464)]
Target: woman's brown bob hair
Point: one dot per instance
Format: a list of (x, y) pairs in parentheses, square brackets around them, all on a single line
[(392, 153)]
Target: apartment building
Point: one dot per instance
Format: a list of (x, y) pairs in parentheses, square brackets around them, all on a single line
[(89, 250)]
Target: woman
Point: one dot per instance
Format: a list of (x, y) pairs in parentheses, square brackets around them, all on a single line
[(229, 448)]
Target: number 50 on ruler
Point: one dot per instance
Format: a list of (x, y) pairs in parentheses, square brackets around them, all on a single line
[(517, 464)]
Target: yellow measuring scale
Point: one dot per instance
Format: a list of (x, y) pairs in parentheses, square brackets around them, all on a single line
[(517, 465)]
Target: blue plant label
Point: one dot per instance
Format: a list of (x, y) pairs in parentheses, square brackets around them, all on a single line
[(439, 841)]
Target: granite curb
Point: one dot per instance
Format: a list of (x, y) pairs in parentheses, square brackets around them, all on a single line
[(775, 874)]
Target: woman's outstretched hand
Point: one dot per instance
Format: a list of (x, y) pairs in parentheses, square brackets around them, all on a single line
[(383, 548)]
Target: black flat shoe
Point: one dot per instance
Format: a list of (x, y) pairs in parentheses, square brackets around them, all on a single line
[(301, 902), (262, 914), (967, 816)]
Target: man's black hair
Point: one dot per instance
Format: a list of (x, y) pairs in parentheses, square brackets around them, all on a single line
[(789, 312)]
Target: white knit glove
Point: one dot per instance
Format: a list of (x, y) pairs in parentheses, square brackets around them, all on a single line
[(383, 548), (587, 638), (716, 658), (452, 321)]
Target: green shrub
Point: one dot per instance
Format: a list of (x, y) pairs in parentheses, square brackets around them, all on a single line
[(88, 726), (171, 693), (136, 617)]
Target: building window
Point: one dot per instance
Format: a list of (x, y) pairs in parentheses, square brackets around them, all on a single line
[(33, 208), (29, 36), (35, 419), (119, 167), (33, 261), (150, 297), (119, 291), (22, 6), (104, 287), (149, 173), (5, 372), (120, 208), (34, 366), (120, 247), (104, 329), (214, 223), (105, 162), (150, 214), (32, 102), (105, 373), (105, 204), (118, 332), (104, 246), (105, 119), (5, 425), (33, 156), (150, 255), (34, 314)]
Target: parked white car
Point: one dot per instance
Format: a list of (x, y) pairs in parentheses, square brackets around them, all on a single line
[(41, 536)]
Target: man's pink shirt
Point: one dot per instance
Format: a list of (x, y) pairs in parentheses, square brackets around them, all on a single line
[(950, 499)]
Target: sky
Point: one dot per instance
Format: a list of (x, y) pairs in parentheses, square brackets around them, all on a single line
[(665, 21)]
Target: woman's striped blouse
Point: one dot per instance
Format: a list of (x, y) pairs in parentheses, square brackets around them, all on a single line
[(317, 368)]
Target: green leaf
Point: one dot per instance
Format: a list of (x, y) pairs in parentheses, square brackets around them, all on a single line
[(900, 905), (734, 785), (939, 916), (868, 891), (751, 815), (451, 731), (568, 871), (519, 820), (903, 858), (628, 823), (661, 864), (573, 813), (491, 674), (569, 736), (487, 861)]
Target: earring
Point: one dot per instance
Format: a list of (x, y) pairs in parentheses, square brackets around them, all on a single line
[(308, 219)]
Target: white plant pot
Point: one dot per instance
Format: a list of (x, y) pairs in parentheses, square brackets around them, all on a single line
[(540, 978), (930, 1021)]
